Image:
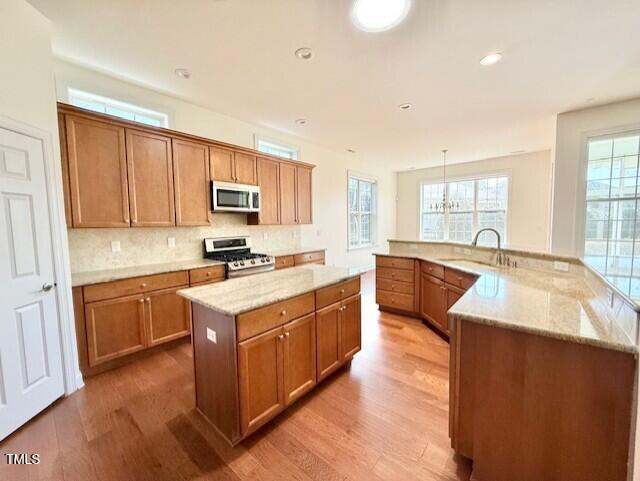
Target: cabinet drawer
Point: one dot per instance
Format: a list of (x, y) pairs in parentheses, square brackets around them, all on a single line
[(283, 262), (432, 269), (255, 322), (394, 286), (458, 278), (394, 299), (309, 257), (207, 274), (337, 292), (395, 262), (394, 274), (135, 285)]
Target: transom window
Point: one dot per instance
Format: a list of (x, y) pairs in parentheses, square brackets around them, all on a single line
[(362, 212), (612, 232), (277, 149), (124, 110), (472, 204)]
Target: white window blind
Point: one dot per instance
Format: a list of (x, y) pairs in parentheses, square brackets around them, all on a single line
[(362, 212), (274, 148)]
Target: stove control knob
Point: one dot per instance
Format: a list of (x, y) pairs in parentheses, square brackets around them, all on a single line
[(252, 261), (235, 264), (263, 260), (241, 263)]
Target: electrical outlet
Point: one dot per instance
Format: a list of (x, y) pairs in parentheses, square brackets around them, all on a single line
[(212, 336), (115, 246), (561, 266), (171, 242), (318, 233)]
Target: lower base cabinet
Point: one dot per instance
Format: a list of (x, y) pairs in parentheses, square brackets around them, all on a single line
[(168, 316)]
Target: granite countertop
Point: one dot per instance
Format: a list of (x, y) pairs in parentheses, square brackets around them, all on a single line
[(243, 294), (294, 251), (553, 304), (108, 275)]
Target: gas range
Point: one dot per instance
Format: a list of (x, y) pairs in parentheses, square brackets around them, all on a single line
[(236, 253)]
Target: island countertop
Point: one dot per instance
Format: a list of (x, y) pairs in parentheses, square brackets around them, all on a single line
[(243, 294)]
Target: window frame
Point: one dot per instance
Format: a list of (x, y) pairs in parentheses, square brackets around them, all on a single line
[(374, 211), (162, 117), (295, 151), (465, 178)]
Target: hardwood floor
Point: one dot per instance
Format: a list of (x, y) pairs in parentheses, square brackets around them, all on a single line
[(384, 418)]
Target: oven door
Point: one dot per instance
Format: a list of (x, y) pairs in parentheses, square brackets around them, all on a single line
[(231, 197)]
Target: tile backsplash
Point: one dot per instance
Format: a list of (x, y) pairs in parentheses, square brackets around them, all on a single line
[(90, 249)]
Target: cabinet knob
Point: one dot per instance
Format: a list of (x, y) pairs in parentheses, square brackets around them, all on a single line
[(393, 301), (283, 313), (208, 274), (141, 301), (280, 337), (341, 291), (148, 299), (144, 284), (286, 334)]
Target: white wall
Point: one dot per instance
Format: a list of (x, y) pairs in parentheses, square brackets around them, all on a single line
[(572, 131), (329, 228), (529, 196)]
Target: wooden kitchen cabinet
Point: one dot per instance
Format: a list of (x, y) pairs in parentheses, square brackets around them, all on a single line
[(64, 164), (261, 381), (328, 340), (98, 185), (350, 328), (230, 166), (288, 207), (150, 173), (115, 328), (299, 357), (167, 316), (303, 195), (245, 168), (433, 298), (269, 182), (191, 183)]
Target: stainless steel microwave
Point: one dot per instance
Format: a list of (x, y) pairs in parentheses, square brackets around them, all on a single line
[(231, 197)]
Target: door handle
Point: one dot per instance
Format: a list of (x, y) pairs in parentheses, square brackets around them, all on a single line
[(46, 287)]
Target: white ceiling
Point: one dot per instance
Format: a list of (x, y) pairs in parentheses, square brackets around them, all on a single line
[(557, 54)]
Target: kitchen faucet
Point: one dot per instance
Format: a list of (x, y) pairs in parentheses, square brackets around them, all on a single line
[(474, 242)]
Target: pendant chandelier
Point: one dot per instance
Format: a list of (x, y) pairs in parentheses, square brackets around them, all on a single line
[(444, 205)]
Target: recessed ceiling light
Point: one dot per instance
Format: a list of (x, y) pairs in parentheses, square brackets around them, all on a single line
[(183, 73), (351, 151), (491, 59), (405, 106), (301, 121), (304, 53), (379, 15)]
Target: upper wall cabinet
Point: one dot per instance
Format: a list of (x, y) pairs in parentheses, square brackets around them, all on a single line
[(303, 195), (269, 181), (150, 171), (97, 173), (191, 182), (230, 166)]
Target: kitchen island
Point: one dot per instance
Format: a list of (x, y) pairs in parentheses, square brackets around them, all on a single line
[(261, 342)]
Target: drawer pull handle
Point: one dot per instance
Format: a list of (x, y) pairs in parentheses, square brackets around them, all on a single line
[(283, 313)]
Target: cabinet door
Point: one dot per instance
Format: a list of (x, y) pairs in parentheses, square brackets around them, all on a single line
[(268, 180), (303, 195), (453, 294), (115, 328), (288, 210), (97, 173), (246, 168), (167, 316), (329, 353), (433, 300), (350, 332), (299, 357), (64, 161), (260, 374), (221, 165), (150, 170), (191, 182)]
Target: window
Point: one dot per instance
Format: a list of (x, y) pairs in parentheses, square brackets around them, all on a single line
[(362, 212), (612, 233), (274, 148), (120, 109), (476, 204)]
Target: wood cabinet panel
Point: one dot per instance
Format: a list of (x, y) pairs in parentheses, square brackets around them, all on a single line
[(207, 274), (288, 201), (337, 292), (115, 328), (191, 183), (134, 285), (394, 286), (395, 300), (260, 373), (395, 262), (167, 316), (64, 161), (329, 355), (245, 168), (282, 262), (150, 172), (459, 279), (97, 173), (221, 165), (350, 328), (299, 357), (432, 269), (433, 301), (269, 182), (304, 195), (394, 274), (309, 258)]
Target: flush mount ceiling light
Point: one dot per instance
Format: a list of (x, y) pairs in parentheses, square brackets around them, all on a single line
[(304, 53), (301, 121), (405, 106), (351, 151), (379, 15), (183, 73), (491, 59)]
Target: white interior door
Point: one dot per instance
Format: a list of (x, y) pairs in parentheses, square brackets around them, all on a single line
[(30, 356)]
